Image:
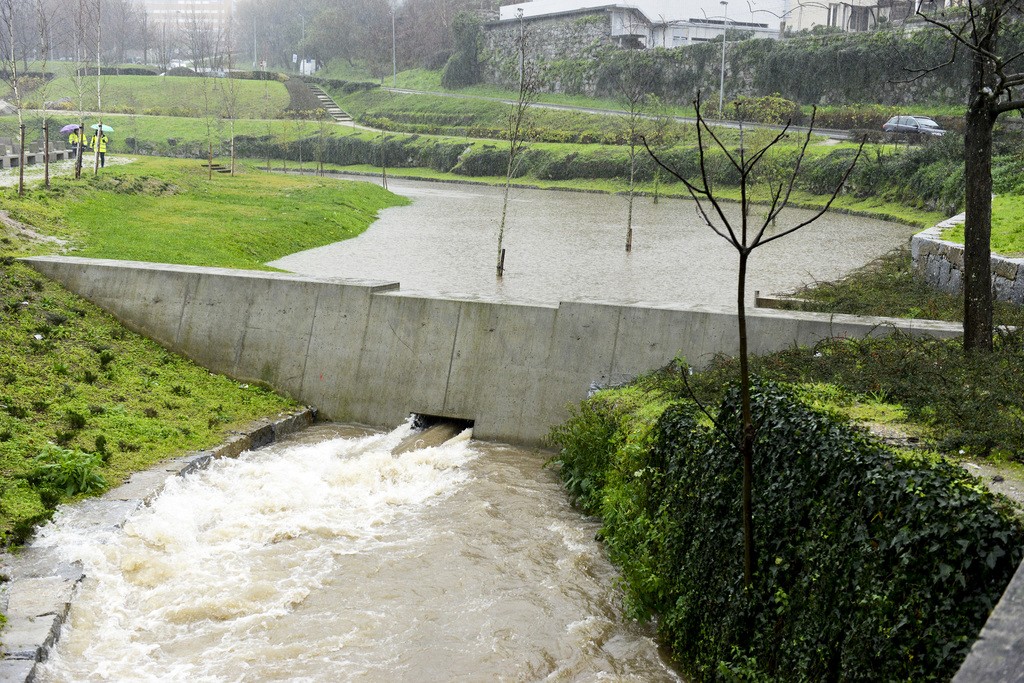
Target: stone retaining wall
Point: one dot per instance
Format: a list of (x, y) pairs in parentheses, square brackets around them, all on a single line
[(941, 263)]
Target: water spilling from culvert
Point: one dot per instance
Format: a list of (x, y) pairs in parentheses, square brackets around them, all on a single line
[(327, 558)]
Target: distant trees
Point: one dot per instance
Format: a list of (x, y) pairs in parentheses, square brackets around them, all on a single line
[(355, 31), (11, 16), (463, 67)]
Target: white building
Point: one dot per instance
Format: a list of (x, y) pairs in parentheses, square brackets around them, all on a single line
[(672, 23), (660, 23)]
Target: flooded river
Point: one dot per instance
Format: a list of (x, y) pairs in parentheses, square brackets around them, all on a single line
[(325, 558), (570, 246)]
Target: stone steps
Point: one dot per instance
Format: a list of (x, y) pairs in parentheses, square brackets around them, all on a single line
[(330, 106)]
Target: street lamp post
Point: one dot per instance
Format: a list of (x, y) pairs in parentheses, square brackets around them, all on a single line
[(721, 82), (522, 49)]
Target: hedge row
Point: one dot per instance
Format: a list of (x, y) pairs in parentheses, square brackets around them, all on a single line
[(928, 175), (871, 566), (335, 85)]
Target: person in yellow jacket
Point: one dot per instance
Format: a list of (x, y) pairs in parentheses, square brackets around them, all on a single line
[(73, 141), (100, 138)]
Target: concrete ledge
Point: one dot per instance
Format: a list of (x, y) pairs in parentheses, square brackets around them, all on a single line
[(998, 654), (38, 595), (941, 263)]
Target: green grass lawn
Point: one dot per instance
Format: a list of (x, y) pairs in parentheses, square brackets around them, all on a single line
[(166, 210), (168, 135), (1007, 227), (169, 95)]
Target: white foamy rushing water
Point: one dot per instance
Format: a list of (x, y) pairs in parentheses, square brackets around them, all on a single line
[(325, 558)]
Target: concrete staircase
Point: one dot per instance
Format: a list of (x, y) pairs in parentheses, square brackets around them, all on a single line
[(217, 168), (330, 106)]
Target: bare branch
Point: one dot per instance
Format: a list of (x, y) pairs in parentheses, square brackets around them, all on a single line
[(828, 204)]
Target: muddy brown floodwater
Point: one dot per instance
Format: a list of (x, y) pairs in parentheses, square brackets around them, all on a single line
[(570, 246)]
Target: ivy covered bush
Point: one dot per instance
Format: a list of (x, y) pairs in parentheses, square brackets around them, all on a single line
[(871, 565)]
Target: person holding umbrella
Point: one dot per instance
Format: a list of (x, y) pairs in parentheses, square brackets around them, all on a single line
[(99, 141), (74, 137)]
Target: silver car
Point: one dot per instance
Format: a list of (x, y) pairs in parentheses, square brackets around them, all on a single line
[(913, 125)]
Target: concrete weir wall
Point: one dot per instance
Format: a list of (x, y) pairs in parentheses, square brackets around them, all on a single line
[(365, 352)]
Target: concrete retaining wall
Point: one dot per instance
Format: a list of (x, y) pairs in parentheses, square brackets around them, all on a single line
[(941, 263), (365, 352)]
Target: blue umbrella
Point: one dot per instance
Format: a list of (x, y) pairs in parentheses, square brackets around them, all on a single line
[(106, 128)]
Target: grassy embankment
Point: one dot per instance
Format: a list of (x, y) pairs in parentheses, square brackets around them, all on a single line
[(167, 96), (80, 395)]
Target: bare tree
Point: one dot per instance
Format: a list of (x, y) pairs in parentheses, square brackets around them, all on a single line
[(745, 238), (634, 85), (10, 18), (231, 95), (321, 139), (975, 27), (45, 16), (99, 89), (517, 131)]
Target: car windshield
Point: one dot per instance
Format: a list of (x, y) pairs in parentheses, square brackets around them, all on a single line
[(926, 122)]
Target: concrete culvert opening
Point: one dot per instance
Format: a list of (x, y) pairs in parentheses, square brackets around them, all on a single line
[(431, 430)]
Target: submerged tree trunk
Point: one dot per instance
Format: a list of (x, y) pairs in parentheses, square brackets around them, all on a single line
[(46, 155), (21, 160)]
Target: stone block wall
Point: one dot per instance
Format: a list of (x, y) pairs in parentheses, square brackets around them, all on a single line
[(548, 39), (941, 263)]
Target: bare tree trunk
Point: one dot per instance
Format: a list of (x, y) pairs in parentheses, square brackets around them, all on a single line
[(978, 205), (21, 161), (748, 434), (46, 155), (500, 263), (632, 194), (81, 149)]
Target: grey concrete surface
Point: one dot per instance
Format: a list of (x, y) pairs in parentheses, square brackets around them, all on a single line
[(41, 585), (365, 352), (998, 654)]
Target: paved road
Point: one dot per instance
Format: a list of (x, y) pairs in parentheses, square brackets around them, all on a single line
[(832, 134)]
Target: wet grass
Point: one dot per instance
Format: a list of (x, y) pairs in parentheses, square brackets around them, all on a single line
[(168, 211), (1007, 227), (72, 377), (889, 286), (169, 95)]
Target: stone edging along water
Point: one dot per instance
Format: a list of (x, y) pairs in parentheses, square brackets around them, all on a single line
[(941, 263), (38, 594)]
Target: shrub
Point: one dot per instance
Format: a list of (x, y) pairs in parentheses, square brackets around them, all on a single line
[(463, 68), (771, 109), (67, 471), (872, 566)]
